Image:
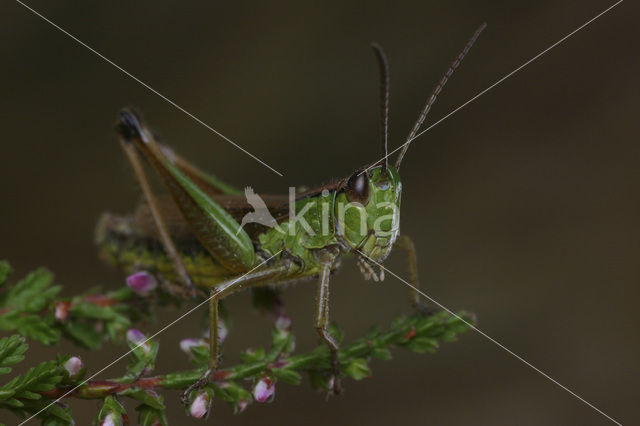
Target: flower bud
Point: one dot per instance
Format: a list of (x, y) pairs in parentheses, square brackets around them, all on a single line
[(223, 331), (241, 406), (112, 419), (187, 344), (200, 405), (142, 283), (74, 367), (283, 323), (283, 333), (137, 338), (61, 310), (331, 382), (264, 390), (153, 393)]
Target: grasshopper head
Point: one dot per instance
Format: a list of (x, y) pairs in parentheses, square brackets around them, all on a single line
[(367, 210), (367, 206)]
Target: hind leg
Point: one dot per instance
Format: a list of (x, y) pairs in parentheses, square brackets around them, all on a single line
[(150, 199)]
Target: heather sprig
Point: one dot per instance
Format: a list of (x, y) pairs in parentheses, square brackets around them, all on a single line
[(254, 379), (33, 308)]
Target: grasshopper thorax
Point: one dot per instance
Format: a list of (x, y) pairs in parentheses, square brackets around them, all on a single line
[(367, 211)]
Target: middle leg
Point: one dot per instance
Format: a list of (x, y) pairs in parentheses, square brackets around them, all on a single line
[(406, 243), (219, 292), (327, 258)]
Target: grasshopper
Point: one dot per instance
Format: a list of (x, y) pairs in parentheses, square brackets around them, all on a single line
[(193, 240)]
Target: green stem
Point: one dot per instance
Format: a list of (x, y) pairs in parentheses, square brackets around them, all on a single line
[(403, 334)]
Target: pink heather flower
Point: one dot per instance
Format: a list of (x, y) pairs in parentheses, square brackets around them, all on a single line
[(283, 323), (73, 366), (187, 344), (61, 310), (142, 283), (200, 405), (264, 389), (137, 338), (111, 420)]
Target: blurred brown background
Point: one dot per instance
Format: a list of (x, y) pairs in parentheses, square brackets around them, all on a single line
[(524, 205)]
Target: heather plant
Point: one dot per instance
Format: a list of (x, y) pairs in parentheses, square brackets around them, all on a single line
[(31, 310)]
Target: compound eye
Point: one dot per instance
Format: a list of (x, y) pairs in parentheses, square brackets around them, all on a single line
[(357, 189)]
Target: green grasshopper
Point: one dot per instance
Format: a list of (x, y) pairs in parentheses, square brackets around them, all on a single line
[(193, 240)]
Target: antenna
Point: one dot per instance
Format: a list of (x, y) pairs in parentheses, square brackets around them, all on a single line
[(384, 101), (436, 91)]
